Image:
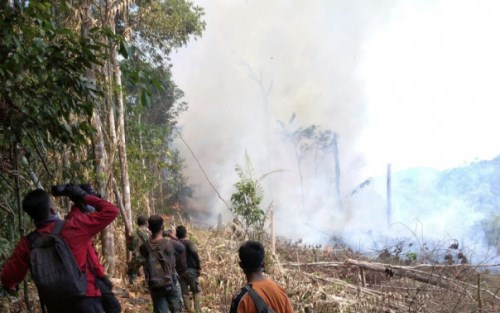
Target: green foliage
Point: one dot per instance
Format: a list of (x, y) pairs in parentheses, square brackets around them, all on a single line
[(246, 200), (47, 54), (42, 71), (162, 26), (411, 256), (45, 103), (155, 166), (5, 248)]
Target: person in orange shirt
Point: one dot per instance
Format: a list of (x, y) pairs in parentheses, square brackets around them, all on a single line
[(252, 255)]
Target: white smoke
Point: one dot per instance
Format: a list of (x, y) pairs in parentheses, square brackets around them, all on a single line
[(382, 74)]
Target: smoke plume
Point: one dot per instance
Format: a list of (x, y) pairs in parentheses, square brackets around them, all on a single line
[(325, 63)]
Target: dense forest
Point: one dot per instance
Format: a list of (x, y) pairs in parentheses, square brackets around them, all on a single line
[(87, 96)]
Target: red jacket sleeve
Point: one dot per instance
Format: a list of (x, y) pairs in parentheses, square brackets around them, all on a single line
[(93, 256), (17, 265), (80, 228), (85, 226)]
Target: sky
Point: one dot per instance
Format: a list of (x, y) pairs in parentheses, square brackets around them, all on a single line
[(412, 83)]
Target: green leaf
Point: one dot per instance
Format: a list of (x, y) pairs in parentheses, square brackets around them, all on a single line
[(123, 48), (145, 98)]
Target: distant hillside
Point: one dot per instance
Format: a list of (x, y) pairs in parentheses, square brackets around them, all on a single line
[(458, 203), (474, 187), (478, 184)]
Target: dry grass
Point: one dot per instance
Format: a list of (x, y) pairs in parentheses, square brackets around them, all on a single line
[(320, 280)]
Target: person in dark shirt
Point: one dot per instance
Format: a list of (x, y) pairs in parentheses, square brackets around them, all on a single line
[(141, 235), (189, 271), (180, 258), (164, 299)]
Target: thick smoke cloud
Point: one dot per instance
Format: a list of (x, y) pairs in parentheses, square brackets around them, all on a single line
[(262, 61)]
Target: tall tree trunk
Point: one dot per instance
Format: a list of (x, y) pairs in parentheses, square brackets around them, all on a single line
[(101, 162), (299, 167), (101, 169), (122, 147), (143, 161)]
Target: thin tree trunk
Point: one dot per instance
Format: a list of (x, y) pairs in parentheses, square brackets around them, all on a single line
[(19, 213), (101, 162), (299, 167), (34, 177), (101, 168), (389, 204), (273, 233), (122, 147), (143, 161), (128, 225), (337, 170)]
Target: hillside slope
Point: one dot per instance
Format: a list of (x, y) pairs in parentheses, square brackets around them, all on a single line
[(459, 204)]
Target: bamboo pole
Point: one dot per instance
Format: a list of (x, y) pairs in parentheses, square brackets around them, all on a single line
[(389, 191), (219, 221), (479, 300), (273, 233)]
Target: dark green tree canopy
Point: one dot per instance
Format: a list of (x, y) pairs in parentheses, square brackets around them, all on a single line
[(43, 87)]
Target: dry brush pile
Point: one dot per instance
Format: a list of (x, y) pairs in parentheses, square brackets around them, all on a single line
[(322, 279), (334, 279)]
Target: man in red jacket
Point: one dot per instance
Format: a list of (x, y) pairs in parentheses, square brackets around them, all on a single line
[(77, 233), (109, 302)]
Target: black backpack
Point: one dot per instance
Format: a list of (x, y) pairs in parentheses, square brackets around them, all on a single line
[(260, 305), (53, 267), (158, 269)]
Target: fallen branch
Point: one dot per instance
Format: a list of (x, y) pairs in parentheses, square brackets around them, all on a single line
[(425, 277), (322, 264), (339, 282), (370, 292), (454, 266)]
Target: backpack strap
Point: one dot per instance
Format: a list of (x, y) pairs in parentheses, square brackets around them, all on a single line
[(163, 245), (55, 231), (141, 236), (58, 227), (148, 246), (260, 304), (33, 236)]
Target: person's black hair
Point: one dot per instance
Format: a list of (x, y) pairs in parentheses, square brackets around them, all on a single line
[(180, 232), (37, 204), (155, 224), (252, 256), (141, 220)]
